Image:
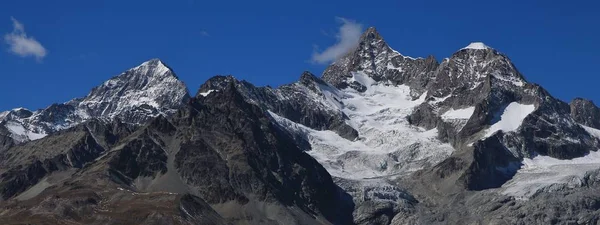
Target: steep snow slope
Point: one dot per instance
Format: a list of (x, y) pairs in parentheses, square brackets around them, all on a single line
[(511, 118), (458, 114)]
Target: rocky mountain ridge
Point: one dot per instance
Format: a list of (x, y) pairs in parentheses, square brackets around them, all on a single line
[(380, 138)]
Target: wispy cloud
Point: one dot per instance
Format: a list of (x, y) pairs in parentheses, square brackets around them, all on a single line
[(204, 33), (347, 39), (21, 45)]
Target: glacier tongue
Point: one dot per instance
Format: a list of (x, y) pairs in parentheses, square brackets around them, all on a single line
[(387, 144)]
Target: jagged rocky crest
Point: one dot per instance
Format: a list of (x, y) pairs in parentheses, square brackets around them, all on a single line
[(379, 138)]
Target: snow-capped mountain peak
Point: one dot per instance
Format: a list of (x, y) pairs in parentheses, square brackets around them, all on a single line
[(477, 46), (150, 84), (377, 121), (15, 113), (154, 67), (134, 96), (375, 58)]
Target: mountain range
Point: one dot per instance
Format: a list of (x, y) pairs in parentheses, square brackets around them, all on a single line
[(378, 138)]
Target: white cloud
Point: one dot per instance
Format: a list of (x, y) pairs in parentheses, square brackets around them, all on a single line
[(347, 39), (21, 45), (204, 33)]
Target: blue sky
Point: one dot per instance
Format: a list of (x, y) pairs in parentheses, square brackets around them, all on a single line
[(83, 43)]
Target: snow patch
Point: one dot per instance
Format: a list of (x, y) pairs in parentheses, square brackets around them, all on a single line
[(511, 118), (362, 78), (437, 100), (477, 46), (592, 131), (459, 114), (20, 134), (206, 93)]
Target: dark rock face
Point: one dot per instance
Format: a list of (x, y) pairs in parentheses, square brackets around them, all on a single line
[(196, 211), (140, 157), (492, 165), (24, 165), (6, 140), (253, 157), (308, 101), (204, 168), (585, 112)]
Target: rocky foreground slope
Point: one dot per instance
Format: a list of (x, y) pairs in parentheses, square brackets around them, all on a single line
[(380, 138)]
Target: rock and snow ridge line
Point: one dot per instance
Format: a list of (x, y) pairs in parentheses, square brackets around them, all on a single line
[(375, 109), (136, 95), (470, 68)]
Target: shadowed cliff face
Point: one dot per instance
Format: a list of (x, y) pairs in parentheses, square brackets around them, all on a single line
[(585, 112)]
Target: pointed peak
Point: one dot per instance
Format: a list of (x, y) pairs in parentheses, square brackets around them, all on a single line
[(216, 83), (370, 34), (154, 63), (307, 78), (477, 46), (579, 100), (372, 30), (307, 75), (17, 113), (152, 68)]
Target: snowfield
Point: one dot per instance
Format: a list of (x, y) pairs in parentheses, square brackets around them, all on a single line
[(511, 118), (459, 114)]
